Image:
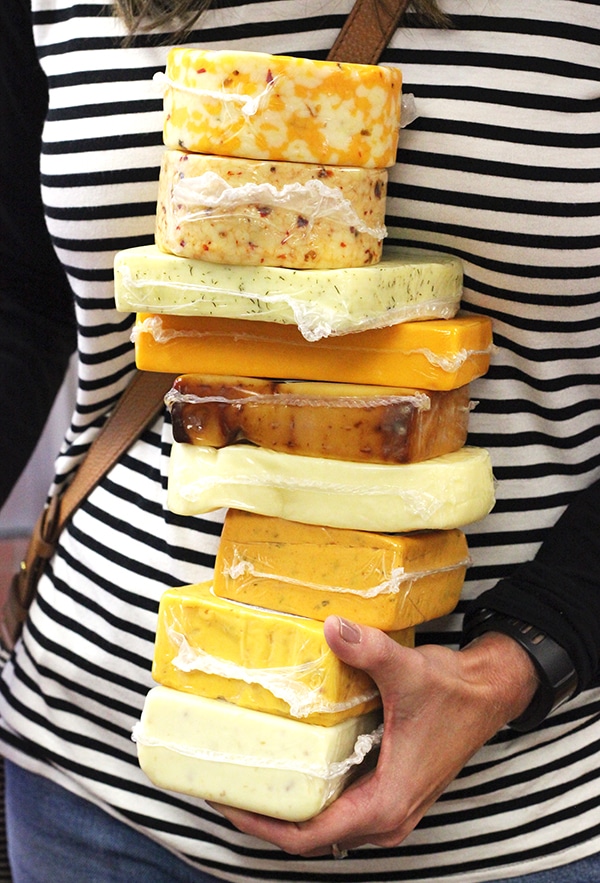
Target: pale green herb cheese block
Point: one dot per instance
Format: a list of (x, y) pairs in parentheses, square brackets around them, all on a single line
[(444, 492), (404, 286)]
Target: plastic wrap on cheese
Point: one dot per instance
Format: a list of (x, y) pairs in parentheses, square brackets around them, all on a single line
[(276, 766), (374, 424), (241, 211), (438, 494), (405, 285), (438, 354), (388, 581), (275, 107), (256, 658)]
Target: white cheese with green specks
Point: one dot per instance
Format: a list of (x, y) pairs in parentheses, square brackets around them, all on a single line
[(405, 285)]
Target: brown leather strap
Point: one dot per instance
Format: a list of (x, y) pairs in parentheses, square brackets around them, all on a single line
[(367, 31), (140, 402)]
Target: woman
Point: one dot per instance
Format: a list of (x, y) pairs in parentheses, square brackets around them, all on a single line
[(499, 168)]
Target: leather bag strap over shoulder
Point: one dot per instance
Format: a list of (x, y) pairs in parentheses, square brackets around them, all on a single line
[(367, 31), (139, 404)]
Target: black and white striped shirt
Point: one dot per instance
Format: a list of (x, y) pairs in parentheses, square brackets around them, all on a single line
[(501, 168)]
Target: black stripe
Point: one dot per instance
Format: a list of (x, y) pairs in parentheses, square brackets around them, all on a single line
[(479, 165), (126, 175)]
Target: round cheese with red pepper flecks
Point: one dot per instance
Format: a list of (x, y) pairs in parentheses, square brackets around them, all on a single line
[(251, 212)]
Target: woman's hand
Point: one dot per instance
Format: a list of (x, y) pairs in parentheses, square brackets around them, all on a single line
[(440, 707)]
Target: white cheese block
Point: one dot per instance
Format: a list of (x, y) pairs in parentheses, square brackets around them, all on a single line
[(406, 285), (242, 211), (276, 107), (444, 492), (272, 765)]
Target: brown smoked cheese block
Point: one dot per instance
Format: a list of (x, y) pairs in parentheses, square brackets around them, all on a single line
[(338, 420)]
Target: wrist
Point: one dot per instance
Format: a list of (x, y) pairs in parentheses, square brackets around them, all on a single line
[(553, 670), (506, 670)]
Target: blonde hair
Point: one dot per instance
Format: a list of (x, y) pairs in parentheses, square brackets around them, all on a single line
[(143, 15)]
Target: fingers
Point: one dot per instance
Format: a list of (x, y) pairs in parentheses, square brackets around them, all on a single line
[(370, 650), (383, 806), (355, 811), (439, 705)]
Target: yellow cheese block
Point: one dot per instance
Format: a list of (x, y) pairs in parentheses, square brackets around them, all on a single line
[(405, 285), (274, 107), (241, 211), (388, 581), (283, 768), (373, 424), (256, 658), (438, 494), (438, 354)]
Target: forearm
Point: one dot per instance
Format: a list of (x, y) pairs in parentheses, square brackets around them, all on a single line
[(559, 591)]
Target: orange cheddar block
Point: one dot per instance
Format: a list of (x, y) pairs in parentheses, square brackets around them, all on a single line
[(388, 581), (437, 354), (257, 658), (276, 107), (345, 421)]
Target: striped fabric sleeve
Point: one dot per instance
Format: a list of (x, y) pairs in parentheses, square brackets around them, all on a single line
[(559, 591)]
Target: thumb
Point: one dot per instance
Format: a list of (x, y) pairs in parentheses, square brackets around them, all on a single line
[(366, 648)]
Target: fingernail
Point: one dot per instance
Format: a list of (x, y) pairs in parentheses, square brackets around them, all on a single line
[(349, 631)]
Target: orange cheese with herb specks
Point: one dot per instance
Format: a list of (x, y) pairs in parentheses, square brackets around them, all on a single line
[(257, 658), (388, 581)]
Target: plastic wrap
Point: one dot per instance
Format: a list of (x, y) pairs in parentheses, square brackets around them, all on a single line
[(240, 211), (445, 492), (299, 687), (275, 107), (256, 658), (405, 285), (438, 354), (341, 421), (388, 581), (260, 762)]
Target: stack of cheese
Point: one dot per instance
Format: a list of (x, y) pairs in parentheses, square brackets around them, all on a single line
[(348, 481)]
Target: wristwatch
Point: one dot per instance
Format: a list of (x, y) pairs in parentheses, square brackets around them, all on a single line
[(556, 672)]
